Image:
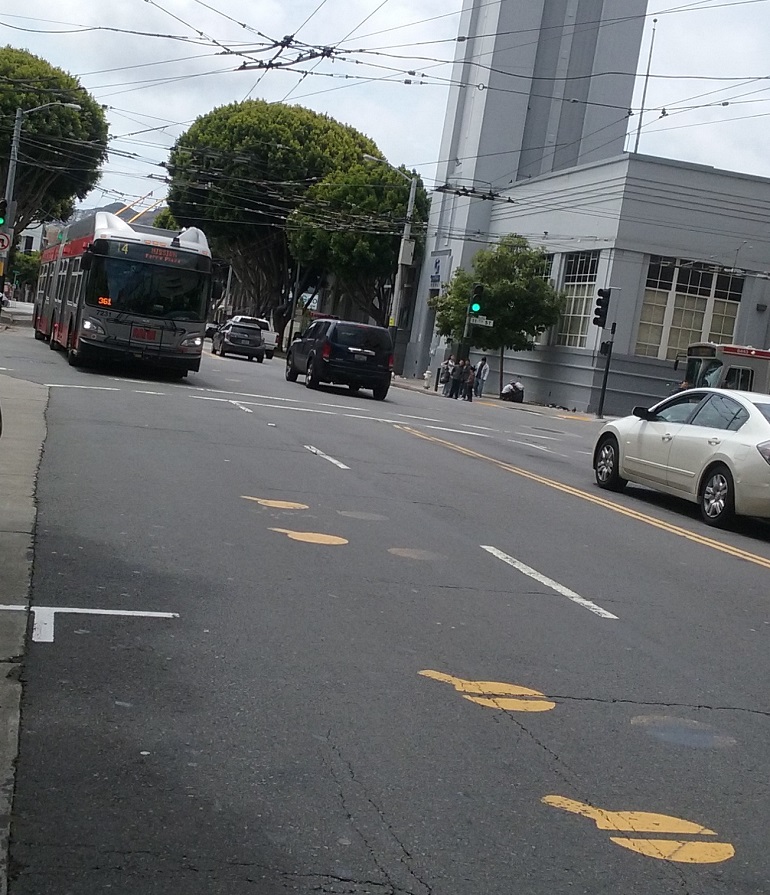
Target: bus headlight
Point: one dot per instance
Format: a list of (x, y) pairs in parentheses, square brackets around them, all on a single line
[(92, 327), (192, 342)]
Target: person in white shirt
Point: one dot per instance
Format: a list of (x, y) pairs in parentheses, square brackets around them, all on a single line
[(482, 372)]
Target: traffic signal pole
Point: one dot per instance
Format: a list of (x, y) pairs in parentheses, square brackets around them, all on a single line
[(472, 310), (600, 319), (608, 356)]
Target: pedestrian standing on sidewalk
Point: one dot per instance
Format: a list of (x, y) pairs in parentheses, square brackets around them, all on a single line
[(456, 379), (445, 375), (469, 383), (482, 372)]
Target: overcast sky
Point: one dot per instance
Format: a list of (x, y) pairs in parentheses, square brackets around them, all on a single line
[(159, 65)]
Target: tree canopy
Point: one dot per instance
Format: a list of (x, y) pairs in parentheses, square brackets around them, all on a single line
[(350, 226), (241, 170), (61, 150), (516, 295)]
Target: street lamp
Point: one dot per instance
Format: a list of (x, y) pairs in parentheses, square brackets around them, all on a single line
[(405, 250), (11, 179)]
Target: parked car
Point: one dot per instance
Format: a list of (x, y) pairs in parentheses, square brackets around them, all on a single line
[(211, 328), (269, 335), (239, 338), (706, 445), (338, 351)]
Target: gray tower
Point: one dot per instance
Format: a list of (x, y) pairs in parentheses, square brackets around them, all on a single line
[(540, 86)]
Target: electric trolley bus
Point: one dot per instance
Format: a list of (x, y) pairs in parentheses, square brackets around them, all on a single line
[(739, 367), (110, 290)]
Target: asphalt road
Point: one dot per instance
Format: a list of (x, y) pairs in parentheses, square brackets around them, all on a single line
[(398, 647)]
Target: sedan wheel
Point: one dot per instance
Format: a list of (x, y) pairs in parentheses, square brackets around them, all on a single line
[(606, 465), (291, 373), (717, 497)]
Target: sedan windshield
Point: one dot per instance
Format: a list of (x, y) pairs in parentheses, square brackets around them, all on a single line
[(150, 290)]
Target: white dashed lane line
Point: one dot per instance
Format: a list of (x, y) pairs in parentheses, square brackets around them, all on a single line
[(549, 582), (314, 450)]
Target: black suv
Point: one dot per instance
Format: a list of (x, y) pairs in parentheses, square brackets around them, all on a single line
[(239, 338), (338, 351)]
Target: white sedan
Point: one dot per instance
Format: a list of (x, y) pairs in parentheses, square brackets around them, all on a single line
[(708, 445)]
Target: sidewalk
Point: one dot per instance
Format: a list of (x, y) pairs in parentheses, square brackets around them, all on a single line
[(492, 400), (23, 407)]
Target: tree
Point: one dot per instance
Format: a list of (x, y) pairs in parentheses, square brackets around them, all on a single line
[(516, 296), (240, 171), (61, 150), (350, 227), (165, 220), (26, 267)]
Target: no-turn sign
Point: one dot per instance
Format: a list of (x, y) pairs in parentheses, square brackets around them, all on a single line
[(5, 242)]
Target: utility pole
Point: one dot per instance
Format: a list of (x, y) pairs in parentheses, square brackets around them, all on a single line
[(405, 257)]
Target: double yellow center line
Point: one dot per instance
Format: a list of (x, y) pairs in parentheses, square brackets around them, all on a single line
[(596, 499)]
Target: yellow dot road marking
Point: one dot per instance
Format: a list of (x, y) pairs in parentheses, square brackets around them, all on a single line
[(495, 694), (680, 851), (597, 500), (277, 504), (311, 537)]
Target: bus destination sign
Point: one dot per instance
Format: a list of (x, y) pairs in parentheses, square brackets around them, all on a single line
[(154, 254)]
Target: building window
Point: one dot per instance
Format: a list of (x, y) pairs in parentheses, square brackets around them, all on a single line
[(579, 282), (29, 243), (685, 302)]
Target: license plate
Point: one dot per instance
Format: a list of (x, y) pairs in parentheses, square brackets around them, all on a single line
[(143, 334), (360, 357)]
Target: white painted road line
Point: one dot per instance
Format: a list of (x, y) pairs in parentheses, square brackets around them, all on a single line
[(459, 431), (44, 616), (269, 406), (537, 447), (93, 388), (314, 450), (533, 435), (240, 406), (549, 582)]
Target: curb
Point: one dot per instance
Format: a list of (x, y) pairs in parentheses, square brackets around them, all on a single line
[(21, 445), (492, 400)]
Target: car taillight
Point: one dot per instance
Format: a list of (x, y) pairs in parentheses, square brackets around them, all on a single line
[(391, 362), (326, 351), (764, 450)]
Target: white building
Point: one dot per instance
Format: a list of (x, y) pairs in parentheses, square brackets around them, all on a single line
[(684, 247)]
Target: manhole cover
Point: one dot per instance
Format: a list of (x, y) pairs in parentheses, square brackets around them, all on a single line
[(683, 732), (411, 553)]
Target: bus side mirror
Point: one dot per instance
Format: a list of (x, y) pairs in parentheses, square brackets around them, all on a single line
[(86, 261)]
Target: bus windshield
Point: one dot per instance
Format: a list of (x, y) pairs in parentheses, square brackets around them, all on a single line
[(703, 371), (149, 290)]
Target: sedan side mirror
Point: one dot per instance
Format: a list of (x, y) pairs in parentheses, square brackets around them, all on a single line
[(644, 413), (296, 337)]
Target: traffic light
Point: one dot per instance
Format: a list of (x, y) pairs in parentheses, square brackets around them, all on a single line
[(602, 307), (3, 212), (477, 295)]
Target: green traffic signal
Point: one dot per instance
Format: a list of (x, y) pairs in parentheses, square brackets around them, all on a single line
[(477, 294)]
